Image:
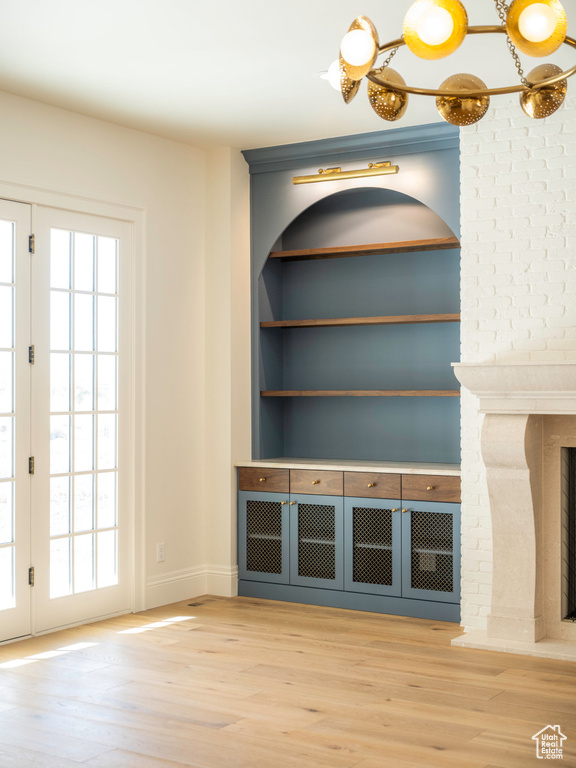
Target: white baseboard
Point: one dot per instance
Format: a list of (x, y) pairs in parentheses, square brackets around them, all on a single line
[(172, 587), (222, 580), (175, 586)]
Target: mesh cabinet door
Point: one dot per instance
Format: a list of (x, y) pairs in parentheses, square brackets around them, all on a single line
[(372, 546), (263, 536), (316, 541), (431, 551)]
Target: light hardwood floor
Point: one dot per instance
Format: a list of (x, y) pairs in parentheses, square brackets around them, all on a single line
[(245, 683)]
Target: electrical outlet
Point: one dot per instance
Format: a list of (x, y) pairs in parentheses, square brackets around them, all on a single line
[(160, 553)]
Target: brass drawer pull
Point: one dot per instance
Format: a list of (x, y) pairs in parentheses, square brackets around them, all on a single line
[(315, 482), (283, 502), (404, 510), (430, 488), (292, 503), (371, 485), (262, 479), (395, 509)]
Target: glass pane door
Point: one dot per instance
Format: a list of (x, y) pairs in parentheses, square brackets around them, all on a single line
[(83, 412), (14, 420), (87, 351)]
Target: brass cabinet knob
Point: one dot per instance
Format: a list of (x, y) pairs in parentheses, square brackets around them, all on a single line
[(430, 488), (371, 485), (315, 482), (404, 510), (292, 503), (283, 502), (262, 479), (395, 509)]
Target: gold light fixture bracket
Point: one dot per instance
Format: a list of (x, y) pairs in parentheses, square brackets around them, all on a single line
[(383, 168)]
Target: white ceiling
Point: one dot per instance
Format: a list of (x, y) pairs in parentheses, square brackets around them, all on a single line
[(237, 72)]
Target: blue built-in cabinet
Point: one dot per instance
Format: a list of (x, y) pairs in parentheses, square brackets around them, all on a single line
[(420, 203), (392, 556), (355, 325)]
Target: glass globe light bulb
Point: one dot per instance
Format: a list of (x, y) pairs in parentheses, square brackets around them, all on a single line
[(435, 26), (537, 22), (358, 48), (333, 75)]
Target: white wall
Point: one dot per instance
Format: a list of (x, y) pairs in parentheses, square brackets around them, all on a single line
[(228, 401), (518, 283), (48, 148)]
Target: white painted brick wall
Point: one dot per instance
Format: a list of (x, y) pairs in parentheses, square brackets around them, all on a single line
[(518, 197)]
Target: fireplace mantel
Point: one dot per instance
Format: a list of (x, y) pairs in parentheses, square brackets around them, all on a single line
[(528, 388), (519, 400)]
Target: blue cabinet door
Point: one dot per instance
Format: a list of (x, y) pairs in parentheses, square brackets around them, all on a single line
[(263, 529), (372, 546), (431, 551), (316, 541)]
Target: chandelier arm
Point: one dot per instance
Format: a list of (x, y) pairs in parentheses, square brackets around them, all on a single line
[(374, 77)]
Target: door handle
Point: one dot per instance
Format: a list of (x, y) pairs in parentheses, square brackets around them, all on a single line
[(292, 503)]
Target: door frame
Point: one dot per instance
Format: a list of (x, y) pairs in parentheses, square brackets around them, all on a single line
[(135, 216)]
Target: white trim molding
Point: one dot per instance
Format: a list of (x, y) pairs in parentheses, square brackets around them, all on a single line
[(222, 580), (171, 587)]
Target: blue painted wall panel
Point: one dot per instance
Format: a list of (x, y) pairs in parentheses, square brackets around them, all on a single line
[(412, 429), (387, 284), (357, 216), (417, 356)]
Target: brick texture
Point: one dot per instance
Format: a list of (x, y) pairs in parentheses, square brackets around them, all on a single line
[(518, 199)]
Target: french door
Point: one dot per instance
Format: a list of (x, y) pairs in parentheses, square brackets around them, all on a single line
[(15, 483), (72, 415)]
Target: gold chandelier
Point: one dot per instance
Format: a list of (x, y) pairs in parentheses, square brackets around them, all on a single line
[(434, 29)]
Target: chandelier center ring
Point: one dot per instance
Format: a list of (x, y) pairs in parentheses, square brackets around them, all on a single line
[(374, 77)]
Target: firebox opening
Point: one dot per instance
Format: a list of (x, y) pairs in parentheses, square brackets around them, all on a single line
[(569, 533)]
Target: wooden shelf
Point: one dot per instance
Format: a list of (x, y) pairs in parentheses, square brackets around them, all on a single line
[(360, 393), (340, 321), (342, 252)]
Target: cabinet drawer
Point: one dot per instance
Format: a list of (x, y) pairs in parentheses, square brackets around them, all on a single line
[(322, 481), (430, 488), (372, 485), (263, 479)]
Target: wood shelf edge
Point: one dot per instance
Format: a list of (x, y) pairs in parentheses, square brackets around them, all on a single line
[(360, 393), (358, 321), (339, 252)]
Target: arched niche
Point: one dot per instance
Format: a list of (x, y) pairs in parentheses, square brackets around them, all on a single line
[(429, 178), (359, 358)]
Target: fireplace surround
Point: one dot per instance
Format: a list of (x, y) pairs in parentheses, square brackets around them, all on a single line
[(530, 416)]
